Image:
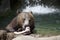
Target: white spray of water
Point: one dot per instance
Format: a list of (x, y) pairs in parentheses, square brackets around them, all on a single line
[(27, 1), (39, 9)]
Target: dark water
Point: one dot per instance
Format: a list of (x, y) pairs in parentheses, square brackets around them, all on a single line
[(48, 23)]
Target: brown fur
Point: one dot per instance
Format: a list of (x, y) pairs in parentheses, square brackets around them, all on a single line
[(6, 36), (3, 35), (10, 36)]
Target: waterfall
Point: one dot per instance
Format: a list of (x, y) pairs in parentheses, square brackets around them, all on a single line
[(27, 1), (36, 7), (39, 9)]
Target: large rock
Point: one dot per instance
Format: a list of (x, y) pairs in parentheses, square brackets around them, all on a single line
[(21, 37)]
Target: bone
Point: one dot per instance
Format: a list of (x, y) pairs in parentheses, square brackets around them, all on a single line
[(26, 31)]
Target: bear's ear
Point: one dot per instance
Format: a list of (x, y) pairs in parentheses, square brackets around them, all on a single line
[(18, 12), (31, 12)]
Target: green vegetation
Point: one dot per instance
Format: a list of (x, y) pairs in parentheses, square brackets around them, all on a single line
[(6, 17)]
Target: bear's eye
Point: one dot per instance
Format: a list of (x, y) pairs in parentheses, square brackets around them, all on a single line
[(29, 20), (23, 19)]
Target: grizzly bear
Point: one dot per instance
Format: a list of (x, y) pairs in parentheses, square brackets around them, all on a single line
[(23, 23)]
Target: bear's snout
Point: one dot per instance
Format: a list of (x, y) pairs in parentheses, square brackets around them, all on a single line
[(26, 25)]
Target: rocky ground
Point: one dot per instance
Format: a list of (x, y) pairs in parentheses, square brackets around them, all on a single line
[(29, 37)]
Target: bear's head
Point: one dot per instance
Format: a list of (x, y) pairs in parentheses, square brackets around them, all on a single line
[(25, 19)]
